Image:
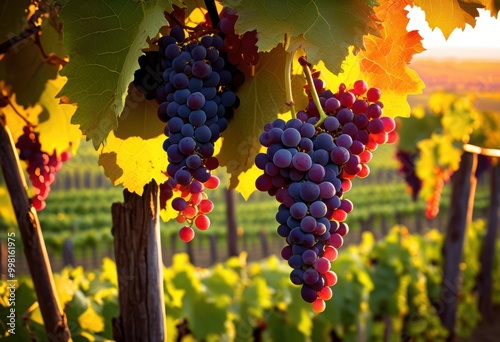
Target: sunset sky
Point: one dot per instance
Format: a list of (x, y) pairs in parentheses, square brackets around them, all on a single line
[(482, 42)]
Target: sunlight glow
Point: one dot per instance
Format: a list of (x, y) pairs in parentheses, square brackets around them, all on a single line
[(481, 42)]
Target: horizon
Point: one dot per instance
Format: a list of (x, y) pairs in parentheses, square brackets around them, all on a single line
[(479, 43)]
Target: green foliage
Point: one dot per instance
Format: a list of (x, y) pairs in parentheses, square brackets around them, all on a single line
[(265, 91), (393, 281), (104, 39), (13, 18), (24, 67), (316, 26)]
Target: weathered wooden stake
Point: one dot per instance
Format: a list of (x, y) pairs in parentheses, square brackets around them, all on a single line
[(136, 230)]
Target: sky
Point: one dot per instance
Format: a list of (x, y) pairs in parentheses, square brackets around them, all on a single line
[(481, 42)]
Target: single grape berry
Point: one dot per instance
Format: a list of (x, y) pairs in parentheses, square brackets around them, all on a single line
[(186, 234)]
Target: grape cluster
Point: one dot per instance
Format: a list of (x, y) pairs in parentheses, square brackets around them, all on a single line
[(308, 166), (195, 100), (42, 167), (148, 78), (238, 48), (407, 170)]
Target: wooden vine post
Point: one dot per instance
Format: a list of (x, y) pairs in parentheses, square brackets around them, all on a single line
[(34, 245), (463, 183), (136, 231), (487, 254), (461, 208), (232, 225)]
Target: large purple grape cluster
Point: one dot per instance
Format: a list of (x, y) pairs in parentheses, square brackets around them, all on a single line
[(195, 88), (308, 167)]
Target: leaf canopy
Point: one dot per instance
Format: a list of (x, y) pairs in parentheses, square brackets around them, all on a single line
[(104, 39)]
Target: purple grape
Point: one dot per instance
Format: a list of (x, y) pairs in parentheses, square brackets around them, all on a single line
[(282, 158), (291, 137), (339, 155), (301, 161)]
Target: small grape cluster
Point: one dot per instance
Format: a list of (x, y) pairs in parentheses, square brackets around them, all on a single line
[(239, 48), (308, 166), (408, 171), (42, 167)]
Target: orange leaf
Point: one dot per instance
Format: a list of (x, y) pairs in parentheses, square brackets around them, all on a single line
[(384, 63)]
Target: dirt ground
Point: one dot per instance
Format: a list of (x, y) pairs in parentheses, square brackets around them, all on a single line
[(487, 331)]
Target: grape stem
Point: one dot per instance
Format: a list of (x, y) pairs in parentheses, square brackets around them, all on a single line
[(314, 94), (288, 82), (212, 12), (6, 98)]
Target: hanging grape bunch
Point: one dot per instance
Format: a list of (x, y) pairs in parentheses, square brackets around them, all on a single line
[(308, 167), (196, 98), (42, 167)]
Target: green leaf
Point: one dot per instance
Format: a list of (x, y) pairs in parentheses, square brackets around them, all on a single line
[(139, 118), (25, 68), (12, 18), (324, 28), (205, 316), (258, 297), (415, 129), (104, 40), (262, 99), (222, 282)]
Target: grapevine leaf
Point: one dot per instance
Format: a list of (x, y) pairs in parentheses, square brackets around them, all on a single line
[(461, 119), (138, 160), (205, 316), (262, 98), (448, 15), (487, 136), (26, 70), (436, 153), (12, 18), (325, 29), (138, 118), (384, 62), (7, 214), (14, 121), (414, 130), (493, 6), (90, 320), (111, 169), (57, 133), (104, 40), (138, 129)]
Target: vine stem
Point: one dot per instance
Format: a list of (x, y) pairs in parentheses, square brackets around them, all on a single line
[(212, 12), (288, 82), (314, 93), (16, 111)]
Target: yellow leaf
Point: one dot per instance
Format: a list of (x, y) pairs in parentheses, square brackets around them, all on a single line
[(6, 209), (36, 315), (65, 288), (90, 320), (133, 154), (447, 15), (137, 160), (57, 133), (169, 213), (109, 271)]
